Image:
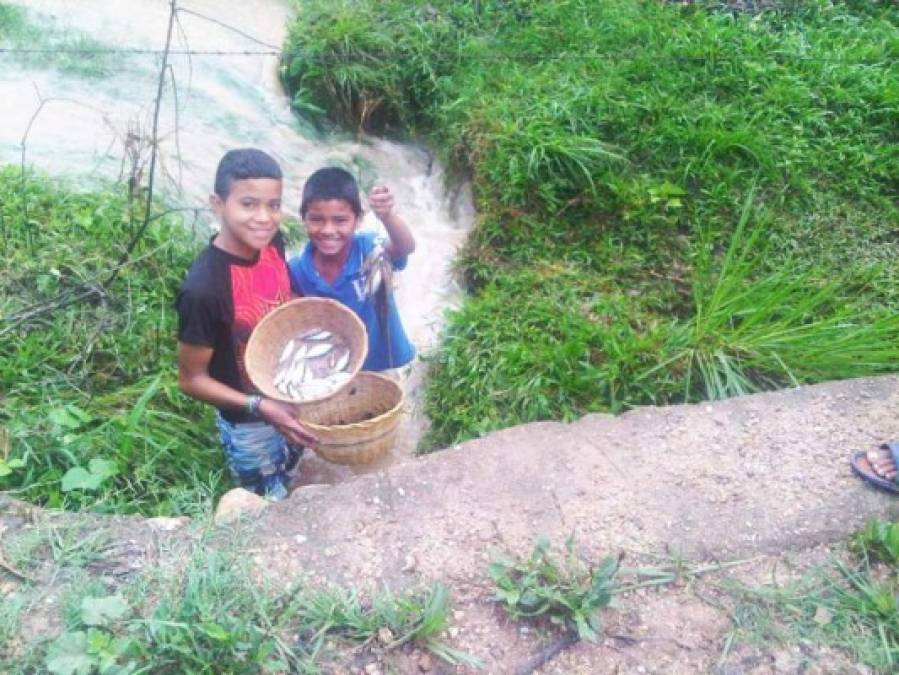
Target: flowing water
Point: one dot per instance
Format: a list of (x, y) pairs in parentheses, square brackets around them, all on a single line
[(89, 116)]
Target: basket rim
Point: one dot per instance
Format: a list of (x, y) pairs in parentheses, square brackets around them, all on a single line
[(353, 426), (290, 304)]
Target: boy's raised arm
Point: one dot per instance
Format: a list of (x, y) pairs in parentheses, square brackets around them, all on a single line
[(401, 243)]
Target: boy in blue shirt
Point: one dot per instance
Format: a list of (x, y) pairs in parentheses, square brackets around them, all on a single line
[(354, 267)]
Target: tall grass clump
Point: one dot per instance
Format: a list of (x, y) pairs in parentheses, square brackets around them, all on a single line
[(90, 402), (612, 149)]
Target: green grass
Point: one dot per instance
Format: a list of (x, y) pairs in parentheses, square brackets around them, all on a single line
[(635, 166), (65, 50), (849, 605), (90, 400), (205, 610)]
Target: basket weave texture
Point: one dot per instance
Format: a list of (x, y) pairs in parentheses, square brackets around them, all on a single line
[(284, 323), (358, 425)]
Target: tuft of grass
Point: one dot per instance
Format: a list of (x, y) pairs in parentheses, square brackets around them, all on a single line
[(851, 606), (750, 331), (386, 620), (878, 540)]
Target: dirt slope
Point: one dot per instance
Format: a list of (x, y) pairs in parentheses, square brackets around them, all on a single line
[(756, 474)]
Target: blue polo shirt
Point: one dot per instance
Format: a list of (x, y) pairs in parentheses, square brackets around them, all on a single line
[(348, 289)]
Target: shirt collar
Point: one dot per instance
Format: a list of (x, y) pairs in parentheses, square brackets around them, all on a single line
[(350, 267)]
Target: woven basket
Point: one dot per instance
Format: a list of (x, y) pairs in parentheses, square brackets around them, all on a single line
[(284, 323), (359, 424)]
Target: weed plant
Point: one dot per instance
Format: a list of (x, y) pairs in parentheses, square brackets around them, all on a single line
[(565, 594), (90, 397), (613, 149)]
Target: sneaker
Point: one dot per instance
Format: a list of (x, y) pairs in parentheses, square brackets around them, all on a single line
[(275, 489)]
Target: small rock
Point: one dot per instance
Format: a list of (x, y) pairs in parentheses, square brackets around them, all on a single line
[(300, 539), (163, 524), (236, 503), (401, 492), (385, 636), (424, 663), (373, 669)]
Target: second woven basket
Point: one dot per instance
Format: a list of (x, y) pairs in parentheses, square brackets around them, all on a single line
[(357, 425)]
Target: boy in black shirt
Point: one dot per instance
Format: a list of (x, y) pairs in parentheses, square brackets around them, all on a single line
[(231, 285)]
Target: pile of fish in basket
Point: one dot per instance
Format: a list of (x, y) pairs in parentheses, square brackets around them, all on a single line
[(312, 365)]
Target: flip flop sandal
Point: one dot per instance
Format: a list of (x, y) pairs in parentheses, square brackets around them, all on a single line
[(863, 469)]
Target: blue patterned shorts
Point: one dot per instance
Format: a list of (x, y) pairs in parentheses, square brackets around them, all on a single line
[(259, 457)]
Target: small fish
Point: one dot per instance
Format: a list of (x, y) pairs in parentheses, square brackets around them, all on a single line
[(300, 353), (319, 350), (288, 350), (316, 334), (299, 370), (343, 361)]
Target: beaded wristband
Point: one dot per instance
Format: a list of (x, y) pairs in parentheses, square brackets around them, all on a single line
[(253, 403)]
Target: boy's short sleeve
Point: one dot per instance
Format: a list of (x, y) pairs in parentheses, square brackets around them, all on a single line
[(199, 319)]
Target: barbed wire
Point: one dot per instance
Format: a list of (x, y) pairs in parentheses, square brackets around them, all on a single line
[(137, 50), (534, 58)]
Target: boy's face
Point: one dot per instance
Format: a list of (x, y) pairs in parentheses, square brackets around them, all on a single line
[(250, 215), (330, 224)]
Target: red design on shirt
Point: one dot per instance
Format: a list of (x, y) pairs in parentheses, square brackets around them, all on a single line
[(256, 289)]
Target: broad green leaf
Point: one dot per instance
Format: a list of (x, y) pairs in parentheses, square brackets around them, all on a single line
[(103, 468), (68, 655), (69, 417), (7, 467), (79, 478), (103, 611)]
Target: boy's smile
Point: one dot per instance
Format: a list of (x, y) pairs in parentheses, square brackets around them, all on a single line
[(250, 215), (330, 224)]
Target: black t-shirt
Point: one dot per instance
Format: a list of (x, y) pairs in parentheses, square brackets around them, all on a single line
[(221, 301)]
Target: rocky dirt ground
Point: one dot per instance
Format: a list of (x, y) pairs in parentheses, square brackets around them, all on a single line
[(762, 480)]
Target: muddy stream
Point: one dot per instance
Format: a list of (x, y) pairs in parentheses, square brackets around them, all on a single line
[(224, 94)]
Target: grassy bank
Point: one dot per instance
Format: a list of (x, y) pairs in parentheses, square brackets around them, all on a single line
[(675, 202), (89, 403)]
